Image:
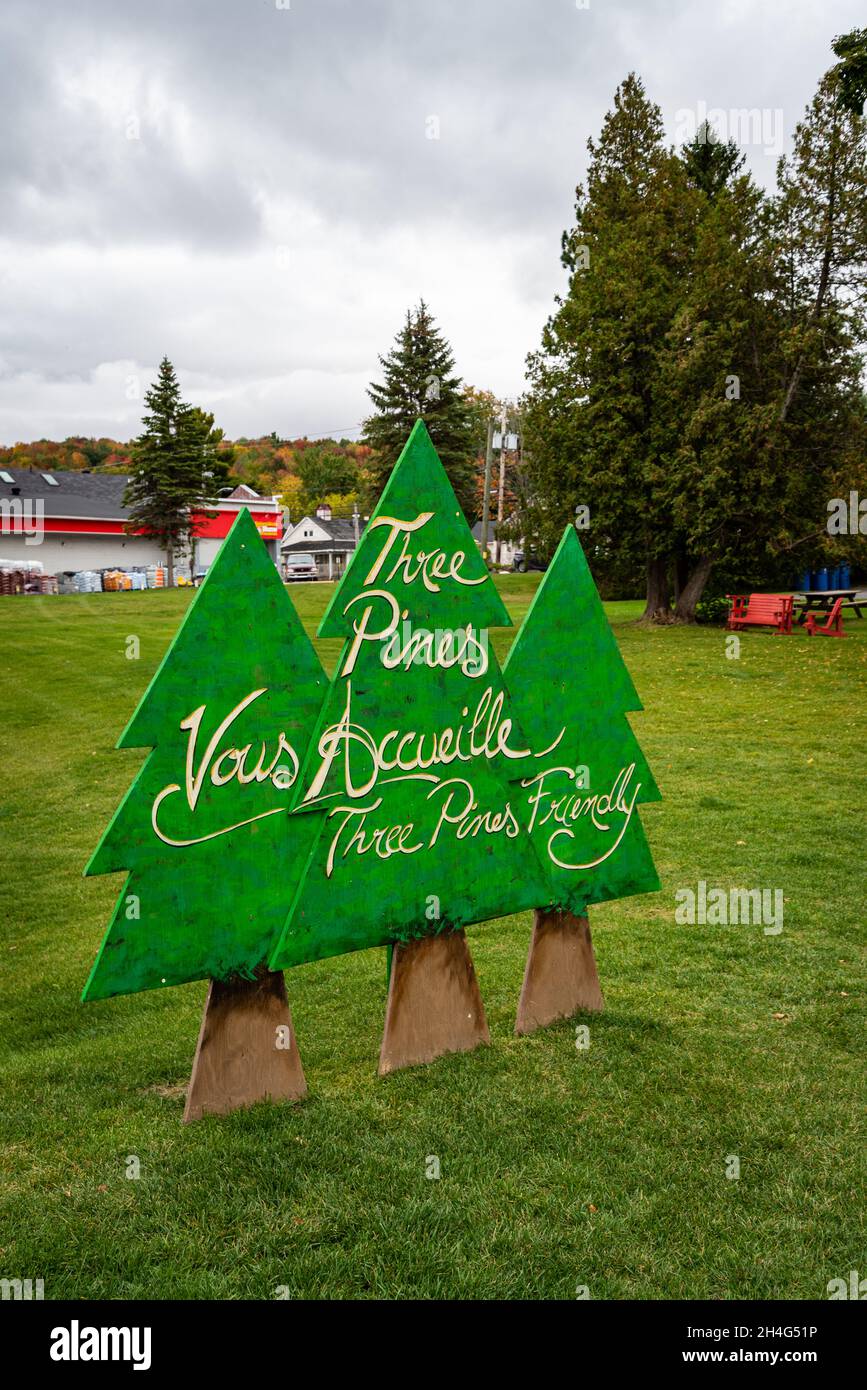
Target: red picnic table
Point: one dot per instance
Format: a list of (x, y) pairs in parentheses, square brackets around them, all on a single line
[(823, 600)]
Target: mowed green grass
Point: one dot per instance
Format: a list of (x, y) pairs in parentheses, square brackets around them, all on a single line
[(559, 1167)]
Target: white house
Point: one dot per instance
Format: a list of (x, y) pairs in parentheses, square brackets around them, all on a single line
[(329, 539)]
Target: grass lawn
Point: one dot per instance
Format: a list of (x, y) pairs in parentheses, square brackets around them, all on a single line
[(604, 1167)]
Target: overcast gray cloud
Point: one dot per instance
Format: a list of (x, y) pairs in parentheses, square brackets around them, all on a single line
[(260, 189)]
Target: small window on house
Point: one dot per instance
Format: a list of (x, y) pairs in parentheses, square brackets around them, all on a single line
[(7, 477), (50, 480)]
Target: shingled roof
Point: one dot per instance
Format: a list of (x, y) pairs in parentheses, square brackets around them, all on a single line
[(79, 494), (341, 529)]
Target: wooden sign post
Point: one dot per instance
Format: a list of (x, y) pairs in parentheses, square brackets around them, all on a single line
[(204, 833)]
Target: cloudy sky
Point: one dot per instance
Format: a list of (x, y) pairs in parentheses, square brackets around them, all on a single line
[(260, 188)]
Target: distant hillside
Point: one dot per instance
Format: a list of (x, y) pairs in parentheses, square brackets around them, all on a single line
[(73, 455), (301, 472)]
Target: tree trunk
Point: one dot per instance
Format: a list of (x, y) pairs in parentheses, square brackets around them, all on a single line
[(658, 606), (692, 590), (681, 572), (170, 568)]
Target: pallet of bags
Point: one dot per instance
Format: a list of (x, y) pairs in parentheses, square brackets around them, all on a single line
[(88, 582)]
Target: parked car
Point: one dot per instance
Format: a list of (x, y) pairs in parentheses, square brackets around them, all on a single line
[(525, 560), (300, 567)]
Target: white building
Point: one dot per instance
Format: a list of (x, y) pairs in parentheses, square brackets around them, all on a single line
[(69, 521), (329, 539)]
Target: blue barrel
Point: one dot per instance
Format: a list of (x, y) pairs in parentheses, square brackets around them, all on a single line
[(822, 579), (845, 579), (805, 581), (834, 578)]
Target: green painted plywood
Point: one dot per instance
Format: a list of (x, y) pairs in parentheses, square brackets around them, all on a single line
[(212, 855), (572, 691), (413, 776)]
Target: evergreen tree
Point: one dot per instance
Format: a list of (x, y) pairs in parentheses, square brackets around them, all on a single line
[(174, 463), (211, 854), (851, 71), (594, 426), (710, 162), (419, 382), (698, 387), (720, 476), (822, 235)]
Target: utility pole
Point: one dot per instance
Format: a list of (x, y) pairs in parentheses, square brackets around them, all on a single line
[(486, 500), (502, 484)]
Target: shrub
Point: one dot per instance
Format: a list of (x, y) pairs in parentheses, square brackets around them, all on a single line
[(712, 610)]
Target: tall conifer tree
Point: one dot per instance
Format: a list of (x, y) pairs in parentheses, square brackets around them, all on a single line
[(420, 382), (173, 462)]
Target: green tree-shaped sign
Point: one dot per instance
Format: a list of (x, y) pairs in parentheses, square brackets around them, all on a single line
[(572, 692), (413, 776), (211, 853)]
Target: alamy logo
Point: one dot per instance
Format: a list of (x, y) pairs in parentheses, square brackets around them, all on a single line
[(856, 1288), (847, 518), (19, 517), (762, 127), (22, 1290), (77, 1343), (462, 646), (718, 907)]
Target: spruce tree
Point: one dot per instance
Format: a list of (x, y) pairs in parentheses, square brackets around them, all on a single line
[(711, 162), (173, 461), (420, 382)]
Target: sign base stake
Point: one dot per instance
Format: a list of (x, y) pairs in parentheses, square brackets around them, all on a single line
[(247, 1049), (561, 978), (434, 1005)]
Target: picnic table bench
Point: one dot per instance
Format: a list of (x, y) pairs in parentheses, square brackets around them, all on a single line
[(761, 610), (824, 600)]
